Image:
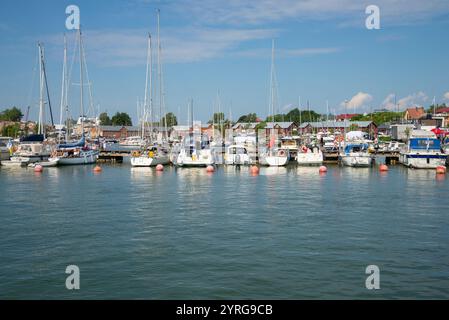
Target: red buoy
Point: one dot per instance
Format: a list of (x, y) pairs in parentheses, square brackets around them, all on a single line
[(38, 168), (254, 170), (323, 169), (383, 168), (159, 167), (441, 170), (210, 169), (97, 169)]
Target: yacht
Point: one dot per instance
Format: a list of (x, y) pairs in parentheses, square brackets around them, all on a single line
[(151, 157), (274, 157), (237, 155), (356, 155), (310, 156), (195, 152), (74, 154), (5, 143), (423, 151), (30, 150)]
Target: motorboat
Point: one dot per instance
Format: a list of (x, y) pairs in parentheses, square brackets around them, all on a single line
[(195, 152), (423, 151), (151, 157), (310, 156), (237, 155), (356, 155)]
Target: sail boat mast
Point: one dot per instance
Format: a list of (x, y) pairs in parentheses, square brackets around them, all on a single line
[(145, 103), (41, 92), (81, 81)]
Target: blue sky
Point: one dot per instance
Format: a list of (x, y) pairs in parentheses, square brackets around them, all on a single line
[(323, 52)]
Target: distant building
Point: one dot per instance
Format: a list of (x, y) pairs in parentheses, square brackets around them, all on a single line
[(117, 132), (414, 114), (338, 126), (282, 128)]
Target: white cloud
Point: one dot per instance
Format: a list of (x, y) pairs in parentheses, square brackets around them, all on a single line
[(359, 100), (446, 96), (262, 11), (412, 100), (129, 47)]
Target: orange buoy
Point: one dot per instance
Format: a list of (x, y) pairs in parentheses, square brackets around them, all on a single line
[(323, 169), (97, 169), (441, 170), (383, 167), (254, 170), (159, 167), (210, 169), (38, 168)]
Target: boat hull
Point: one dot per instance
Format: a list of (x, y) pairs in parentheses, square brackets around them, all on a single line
[(310, 159), (89, 157), (149, 161), (422, 161), (360, 161), (276, 161)]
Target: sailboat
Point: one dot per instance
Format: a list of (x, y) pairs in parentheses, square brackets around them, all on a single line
[(195, 149), (33, 148), (151, 155), (78, 152), (274, 156)]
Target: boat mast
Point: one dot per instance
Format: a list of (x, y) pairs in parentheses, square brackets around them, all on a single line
[(147, 79), (40, 129), (81, 82), (63, 86), (159, 67)]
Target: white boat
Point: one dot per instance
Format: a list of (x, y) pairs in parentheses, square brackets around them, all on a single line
[(74, 154), (310, 156), (5, 154), (356, 155), (16, 162), (133, 142), (274, 158), (149, 158), (423, 151), (195, 152), (50, 163), (237, 155)]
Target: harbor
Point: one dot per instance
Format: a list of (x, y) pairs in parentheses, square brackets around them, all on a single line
[(236, 151)]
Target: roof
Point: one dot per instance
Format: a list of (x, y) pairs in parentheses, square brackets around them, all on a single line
[(415, 113), (346, 116), (442, 110), (270, 125), (336, 124), (118, 128), (282, 125)]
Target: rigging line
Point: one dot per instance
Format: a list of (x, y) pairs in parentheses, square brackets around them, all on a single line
[(75, 50), (46, 87), (91, 105), (33, 81)]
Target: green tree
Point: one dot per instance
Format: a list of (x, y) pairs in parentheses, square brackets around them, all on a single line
[(218, 117), (11, 131), (251, 117), (121, 119), (171, 120), (104, 119), (13, 114)]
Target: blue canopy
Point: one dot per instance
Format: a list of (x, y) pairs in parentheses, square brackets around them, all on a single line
[(78, 144), (425, 144), (358, 146)]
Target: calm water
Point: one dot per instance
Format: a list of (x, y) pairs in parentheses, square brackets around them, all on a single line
[(288, 233)]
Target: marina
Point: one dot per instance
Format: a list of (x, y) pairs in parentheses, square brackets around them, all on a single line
[(241, 151)]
